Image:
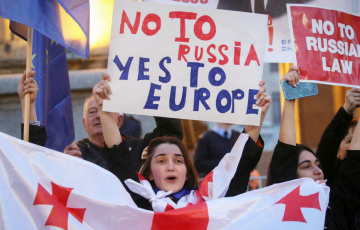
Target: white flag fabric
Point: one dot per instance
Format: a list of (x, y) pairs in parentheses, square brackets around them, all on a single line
[(42, 189)]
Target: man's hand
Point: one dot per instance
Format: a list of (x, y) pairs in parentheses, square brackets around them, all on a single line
[(352, 100), (73, 150)]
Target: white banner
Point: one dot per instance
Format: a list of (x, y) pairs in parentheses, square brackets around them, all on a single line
[(43, 189), (185, 62)]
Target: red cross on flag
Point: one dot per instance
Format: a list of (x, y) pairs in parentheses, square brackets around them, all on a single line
[(43, 189)]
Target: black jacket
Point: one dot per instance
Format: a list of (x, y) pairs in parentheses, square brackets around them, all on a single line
[(121, 164), (330, 143), (211, 149), (344, 200), (37, 134), (99, 156)]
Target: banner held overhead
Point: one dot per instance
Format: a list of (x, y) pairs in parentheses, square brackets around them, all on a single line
[(186, 62), (326, 44)]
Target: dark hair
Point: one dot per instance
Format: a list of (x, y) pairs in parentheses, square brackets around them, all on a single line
[(293, 175), (303, 148), (191, 173), (352, 124)]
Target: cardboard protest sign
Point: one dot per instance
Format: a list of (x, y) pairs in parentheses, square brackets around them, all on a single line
[(196, 3), (186, 62), (326, 44)]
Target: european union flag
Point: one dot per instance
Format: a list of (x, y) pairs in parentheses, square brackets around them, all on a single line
[(53, 103), (56, 23), (64, 21)]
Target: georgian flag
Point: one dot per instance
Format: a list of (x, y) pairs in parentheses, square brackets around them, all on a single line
[(44, 189)]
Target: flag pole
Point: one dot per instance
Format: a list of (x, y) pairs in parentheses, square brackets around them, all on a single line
[(27, 96)]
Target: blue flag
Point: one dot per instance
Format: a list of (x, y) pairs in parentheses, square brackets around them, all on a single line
[(64, 21), (57, 24), (53, 102)]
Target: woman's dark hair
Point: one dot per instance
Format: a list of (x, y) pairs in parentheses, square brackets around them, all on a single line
[(352, 125), (191, 174), (293, 176), (303, 148)]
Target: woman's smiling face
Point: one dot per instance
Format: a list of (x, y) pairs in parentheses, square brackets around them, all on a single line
[(168, 169)]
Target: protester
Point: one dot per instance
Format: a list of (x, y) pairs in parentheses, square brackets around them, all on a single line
[(37, 132), (92, 148), (337, 137), (291, 161), (212, 147), (167, 165)]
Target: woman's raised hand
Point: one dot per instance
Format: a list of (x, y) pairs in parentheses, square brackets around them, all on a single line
[(352, 100), (292, 76), (264, 99), (102, 90)]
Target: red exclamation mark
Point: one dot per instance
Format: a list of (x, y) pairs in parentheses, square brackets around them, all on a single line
[(271, 33)]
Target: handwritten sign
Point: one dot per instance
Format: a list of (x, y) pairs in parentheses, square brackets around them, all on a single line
[(186, 62), (195, 3), (326, 44)]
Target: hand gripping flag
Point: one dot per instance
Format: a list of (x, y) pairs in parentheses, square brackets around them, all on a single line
[(42, 189), (64, 21)]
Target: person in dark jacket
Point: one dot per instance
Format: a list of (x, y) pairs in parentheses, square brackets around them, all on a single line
[(121, 164), (92, 148), (212, 147), (337, 137), (291, 161)]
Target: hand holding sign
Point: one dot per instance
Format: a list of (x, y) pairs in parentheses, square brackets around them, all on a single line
[(264, 99), (352, 100)]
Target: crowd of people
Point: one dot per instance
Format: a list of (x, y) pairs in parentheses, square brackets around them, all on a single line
[(159, 163)]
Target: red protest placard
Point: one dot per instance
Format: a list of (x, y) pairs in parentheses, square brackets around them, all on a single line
[(326, 44)]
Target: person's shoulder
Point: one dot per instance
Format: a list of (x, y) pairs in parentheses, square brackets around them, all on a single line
[(208, 134)]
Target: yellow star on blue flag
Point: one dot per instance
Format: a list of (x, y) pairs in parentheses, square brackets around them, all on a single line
[(32, 63), (52, 41)]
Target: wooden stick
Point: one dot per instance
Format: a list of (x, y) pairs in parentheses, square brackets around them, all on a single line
[(27, 96)]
